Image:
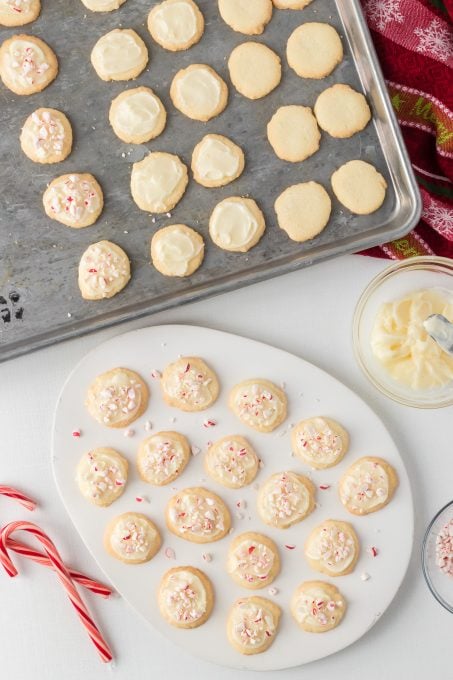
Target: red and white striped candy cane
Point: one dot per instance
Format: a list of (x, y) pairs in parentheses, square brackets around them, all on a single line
[(18, 496), (63, 574)]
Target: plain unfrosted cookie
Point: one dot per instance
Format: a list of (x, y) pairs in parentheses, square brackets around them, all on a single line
[(27, 64), (137, 115), (104, 270), (291, 4), (359, 187), (367, 485), (333, 548), (232, 462), (176, 24), (158, 182), (293, 133), (246, 16), (342, 111), (317, 606), (252, 624), (199, 92), (103, 5), (19, 12), (255, 69), (285, 498), (217, 161), (259, 404), (303, 210), (46, 136), (102, 475), (198, 515), (75, 200), (253, 560), (314, 50), (236, 224), (162, 457), (117, 397), (185, 597), (189, 384), (177, 250), (119, 55), (320, 442), (132, 538)]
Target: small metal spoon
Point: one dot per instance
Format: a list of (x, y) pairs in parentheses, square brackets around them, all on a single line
[(440, 329)]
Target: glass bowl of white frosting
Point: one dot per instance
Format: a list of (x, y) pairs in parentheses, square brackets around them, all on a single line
[(390, 342)]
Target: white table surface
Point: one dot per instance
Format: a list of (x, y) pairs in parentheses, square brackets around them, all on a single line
[(40, 636)]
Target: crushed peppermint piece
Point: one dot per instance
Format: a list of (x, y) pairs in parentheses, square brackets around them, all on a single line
[(69, 315), (156, 374), (141, 499), (290, 547), (365, 576), (195, 450), (209, 423), (444, 548), (148, 426), (373, 551), (207, 557), (324, 487), (239, 515), (77, 433), (241, 504), (273, 591), (170, 554), (172, 419), (129, 432)]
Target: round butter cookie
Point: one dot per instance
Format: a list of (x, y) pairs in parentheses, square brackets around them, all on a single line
[(253, 624), (177, 250), (104, 270), (185, 597), (189, 384), (259, 404), (27, 64), (291, 4), (232, 462), (103, 5), (46, 136), (19, 12), (253, 560), (162, 457), (199, 92), (102, 475), (341, 111), (293, 133), (333, 548), (285, 498), (75, 200), (217, 161), (317, 606), (246, 16), (236, 224), (117, 397), (255, 69), (132, 538), (176, 24), (359, 187), (314, 50), (119, 55), (320, 442), (158, 182), (303, 210), (367, 485), (197, 515), (137, 115)]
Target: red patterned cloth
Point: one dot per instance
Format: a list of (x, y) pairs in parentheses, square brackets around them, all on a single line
[(414, 42)]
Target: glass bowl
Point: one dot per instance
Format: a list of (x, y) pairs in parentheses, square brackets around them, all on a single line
[(398, 280), (440, 584)]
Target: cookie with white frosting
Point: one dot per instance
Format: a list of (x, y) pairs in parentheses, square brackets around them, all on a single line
[(177, 250), (314, 50), (137, 115), (320, 442), (255, 69), (198, 515), (19, 12), (185, 597), (253, 560), (333, 548), (75, 200), (259, 403), (46, 136), (119, 55), (237, 224), (117, 397), (103, 5), (217, 161), (162, 457), (27, 64), (132, 538), (102, 475), (252, 624), (104, 270), (232, 462), (246, 16), (317, 606), (199, 92), (189, 384), (158, 182), (285, 498), (367, 485), (176, 24)]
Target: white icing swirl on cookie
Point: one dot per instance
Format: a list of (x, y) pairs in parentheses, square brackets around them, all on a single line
[(183, 597), (118, 52), (45, 134), (364, 486), (176, 249), (161, 459), (313, 606), (252, 561), (258, 406), (137, 114), (188, 383), (103, 270), (318, 442), (231, 462), (233, 225), (216, 161), (24, 64), (196, 515), (283, 499), (119, 398), (175, 24), (73, 197), (155, 178), (17, 8), (333, 547), (251, 624), (199, 90), (132, 538), (101, 475)]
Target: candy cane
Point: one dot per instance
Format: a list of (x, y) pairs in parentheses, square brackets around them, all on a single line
[(63, 575), (17, 496)]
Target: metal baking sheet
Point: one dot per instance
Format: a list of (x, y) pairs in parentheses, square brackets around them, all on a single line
[(39, 298)]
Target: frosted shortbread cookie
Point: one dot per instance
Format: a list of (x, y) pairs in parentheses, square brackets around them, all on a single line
[(19, 12), (317, 606), (253, 624), (303, 210), (367, 485), (162, 457), (320, 442), (176, 24), (119, 55), (342, 111), (132, 538), (359, 187), (236, 224), (185, 597), (246, 16), (27, 64), (189, 384), (253, 560), (103, 5), (199, 92), (75, 200), (314, 50), (217, 161), (198, 515), (293, 133), (259, 404), (285, 498), (158, 182), (104, 270), (255, 69), (291, 4), (177, 250), (102, 475), (137, 115), (333, 548), (232, 462), (117, 397), (46, 136)]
